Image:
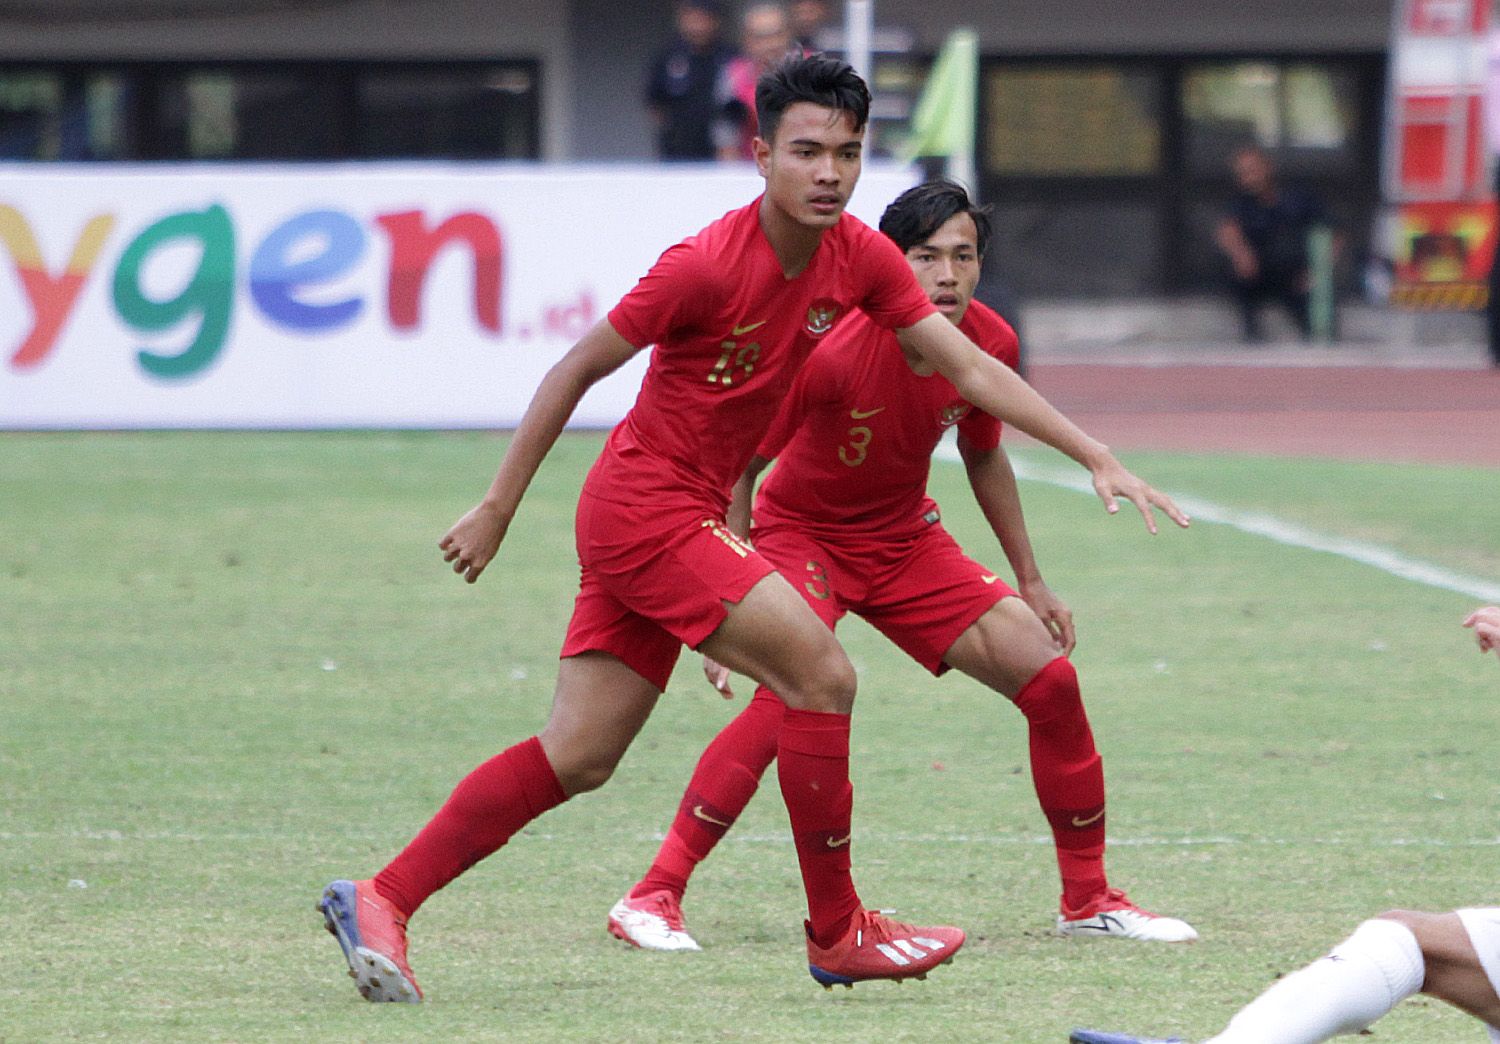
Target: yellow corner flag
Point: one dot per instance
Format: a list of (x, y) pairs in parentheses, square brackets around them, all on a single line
[(943, 123)]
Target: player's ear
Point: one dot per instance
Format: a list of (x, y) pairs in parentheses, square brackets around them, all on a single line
[(762, 149)]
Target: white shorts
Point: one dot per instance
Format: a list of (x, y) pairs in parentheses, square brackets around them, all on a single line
[(1483, 926)]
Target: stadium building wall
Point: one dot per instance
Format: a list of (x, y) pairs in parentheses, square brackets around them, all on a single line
[(592, 51)]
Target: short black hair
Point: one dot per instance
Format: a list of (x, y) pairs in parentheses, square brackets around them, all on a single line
[(815, 78), (915, 215)]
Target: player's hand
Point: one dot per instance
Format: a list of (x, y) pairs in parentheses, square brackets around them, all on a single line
[(474, 539), (1486, 624), (1054, 614), (1112, 481), (718, 676)]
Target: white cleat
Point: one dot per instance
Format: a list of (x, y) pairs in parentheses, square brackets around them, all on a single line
[(652, 922), (1114, 916)]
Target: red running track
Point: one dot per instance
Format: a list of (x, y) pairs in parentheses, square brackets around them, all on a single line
[(1353, 413)]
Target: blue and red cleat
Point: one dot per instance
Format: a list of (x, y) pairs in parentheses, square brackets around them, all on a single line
[(372, 934), (875, 947)]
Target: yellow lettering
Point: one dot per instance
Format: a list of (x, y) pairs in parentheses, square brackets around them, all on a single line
[(853, 455)]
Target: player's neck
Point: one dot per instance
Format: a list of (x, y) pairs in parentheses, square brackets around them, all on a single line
[(793, 242)]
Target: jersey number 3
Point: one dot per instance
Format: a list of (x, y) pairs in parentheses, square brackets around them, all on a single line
[(853, 455)]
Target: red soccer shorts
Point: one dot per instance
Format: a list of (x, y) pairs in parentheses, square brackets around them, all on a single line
[(921, 593), (654, 580)]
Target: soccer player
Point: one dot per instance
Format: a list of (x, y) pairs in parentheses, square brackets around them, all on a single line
[(846, 518), (1454, 957), (732, 313)]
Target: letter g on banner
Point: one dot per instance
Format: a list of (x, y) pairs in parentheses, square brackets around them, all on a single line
[(208, 295)]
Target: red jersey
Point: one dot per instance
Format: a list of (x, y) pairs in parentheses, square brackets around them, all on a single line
[(855, 438), (730, 332)]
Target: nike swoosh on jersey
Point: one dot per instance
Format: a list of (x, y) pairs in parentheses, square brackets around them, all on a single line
[(1090, 820), (862, 414), (739, 330), (841, 842), (989, 578)]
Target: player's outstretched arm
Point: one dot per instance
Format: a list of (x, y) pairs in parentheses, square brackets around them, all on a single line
[(999, 391), (1486, 624), (475, 538), (994, 483)]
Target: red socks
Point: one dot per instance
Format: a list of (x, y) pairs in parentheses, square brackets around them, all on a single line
[(813, 765), (725, 780), (486, 808), (1069, 778)]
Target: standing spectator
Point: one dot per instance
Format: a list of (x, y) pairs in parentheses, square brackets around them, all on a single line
[(765, 38), (1264, 236), (809, 19), (682, 90)]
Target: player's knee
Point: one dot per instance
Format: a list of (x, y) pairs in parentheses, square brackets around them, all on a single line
[(1052, 694), (580, 772), (582, 778), (1417, 922), (826, 684), (1432, 931)]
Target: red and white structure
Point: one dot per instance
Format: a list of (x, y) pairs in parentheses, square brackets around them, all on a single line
[(1436, 177)]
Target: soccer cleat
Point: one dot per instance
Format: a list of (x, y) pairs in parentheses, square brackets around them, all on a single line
[(372, 934), (652, 922), (1113, 915), (1083, 1036), (875, 947)]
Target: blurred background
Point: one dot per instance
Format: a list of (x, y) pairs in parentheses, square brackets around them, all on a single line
[(1102, 135)]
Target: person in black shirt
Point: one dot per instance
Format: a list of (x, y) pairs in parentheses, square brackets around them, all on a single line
[(1264, 236), (681, 88)]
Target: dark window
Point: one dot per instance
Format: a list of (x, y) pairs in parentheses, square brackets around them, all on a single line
[(1109, 175), (1075, 120), (1304, 113), (52, 115), (462, 113), (248, 115), (270, 111)]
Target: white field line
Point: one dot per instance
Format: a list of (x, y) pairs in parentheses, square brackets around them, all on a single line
[(1273, 528), (873, 837)]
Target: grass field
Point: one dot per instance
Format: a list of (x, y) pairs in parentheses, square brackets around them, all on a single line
[(233, 667)]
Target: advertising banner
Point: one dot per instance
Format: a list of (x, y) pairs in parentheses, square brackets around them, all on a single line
[(1442, 256), (385, 295), (1439, 227)]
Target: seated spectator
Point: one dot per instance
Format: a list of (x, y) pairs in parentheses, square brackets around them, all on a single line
[(682, 90), (1264, 236)]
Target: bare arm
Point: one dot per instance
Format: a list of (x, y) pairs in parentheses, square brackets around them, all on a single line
[(994, 483), (474, 539), (738, 515), (1236, 247), (999, 391)]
